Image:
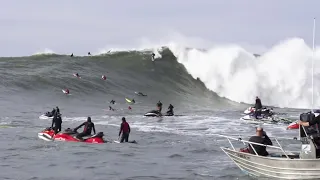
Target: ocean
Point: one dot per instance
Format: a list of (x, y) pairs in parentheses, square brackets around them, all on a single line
[(210, 88)]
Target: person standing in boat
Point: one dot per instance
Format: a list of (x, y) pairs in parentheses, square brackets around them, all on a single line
[(261, 138), (258, 107)]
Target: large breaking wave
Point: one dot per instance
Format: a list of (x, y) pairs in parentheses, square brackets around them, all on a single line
[(281, 76)]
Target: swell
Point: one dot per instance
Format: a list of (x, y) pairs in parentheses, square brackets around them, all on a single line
[(126, 72)]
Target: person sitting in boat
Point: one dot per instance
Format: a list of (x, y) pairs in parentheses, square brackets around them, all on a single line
[(261, 138), (170, 111), (258, 107), (88, 127)]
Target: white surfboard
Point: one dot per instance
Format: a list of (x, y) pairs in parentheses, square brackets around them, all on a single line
[(65, 92), (116, 141), (76, 76)]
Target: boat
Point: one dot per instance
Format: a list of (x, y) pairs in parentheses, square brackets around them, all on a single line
[(280, 164), (70, 136)]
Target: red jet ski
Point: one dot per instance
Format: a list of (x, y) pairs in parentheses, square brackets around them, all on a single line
[(69, 135)]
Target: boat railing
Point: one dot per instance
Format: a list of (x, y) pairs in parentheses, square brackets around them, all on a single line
[(251, 144)]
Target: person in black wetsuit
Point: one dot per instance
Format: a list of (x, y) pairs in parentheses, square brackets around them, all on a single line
[(159, 106), (153, 55), (88, 127), (125, 129), (262, 138), (71, 55), (258, 107), (110, 108), (58, 110), (170, 111), (57, 121), (133, 101), (112, 101), (50, 114)]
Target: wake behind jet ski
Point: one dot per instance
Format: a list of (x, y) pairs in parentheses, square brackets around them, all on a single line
[(70, 136), (140, 94)]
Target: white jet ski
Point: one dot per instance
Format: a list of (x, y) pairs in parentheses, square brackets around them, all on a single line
[(44, 116)]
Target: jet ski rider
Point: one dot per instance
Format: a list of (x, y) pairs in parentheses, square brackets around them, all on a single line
[(159, 106), (57, 121), (170, 109), (88, 126), (258, 107)]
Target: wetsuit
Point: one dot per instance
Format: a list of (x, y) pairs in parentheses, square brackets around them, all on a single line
[(125, 129), (258, 107), (170, 109), (52, 113), (57, 121), (159, 104), (58, 110), (261, 150), (112, 101), (88, 126)]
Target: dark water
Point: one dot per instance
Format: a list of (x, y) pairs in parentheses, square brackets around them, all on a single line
[(182, 147)]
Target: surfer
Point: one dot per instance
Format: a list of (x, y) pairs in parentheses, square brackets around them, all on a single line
[(153, 55), (77, 75), (258, 107), (58, 110), (159, 106), (88, 127), (67, 91), (129, 108), (71, 55), (170, 111), (112, 101), (57, 121), (125, 129), (89, 54), (141, 94), (133, 101), (103, 77), (261, 138), (110, 108)]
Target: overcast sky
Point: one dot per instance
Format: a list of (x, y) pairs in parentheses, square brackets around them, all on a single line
[(79, 26)]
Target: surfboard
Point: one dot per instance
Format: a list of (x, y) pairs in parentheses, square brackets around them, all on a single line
[(76, 76), (64, 92), (128, 100), (116, 141)]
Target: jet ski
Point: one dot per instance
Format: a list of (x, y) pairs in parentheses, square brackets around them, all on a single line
[(47, 115), (156, 113), (70, 136), (264, 110)]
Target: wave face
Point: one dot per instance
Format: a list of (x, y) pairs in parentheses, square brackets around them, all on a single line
[(280, 77), (127, 72)]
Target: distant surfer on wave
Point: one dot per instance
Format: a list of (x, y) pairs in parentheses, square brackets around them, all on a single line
[(66, 91), (110, 108), (170, 111), (89, 54), (71, 55), (103, 77), (152, 56), (112, 101)]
